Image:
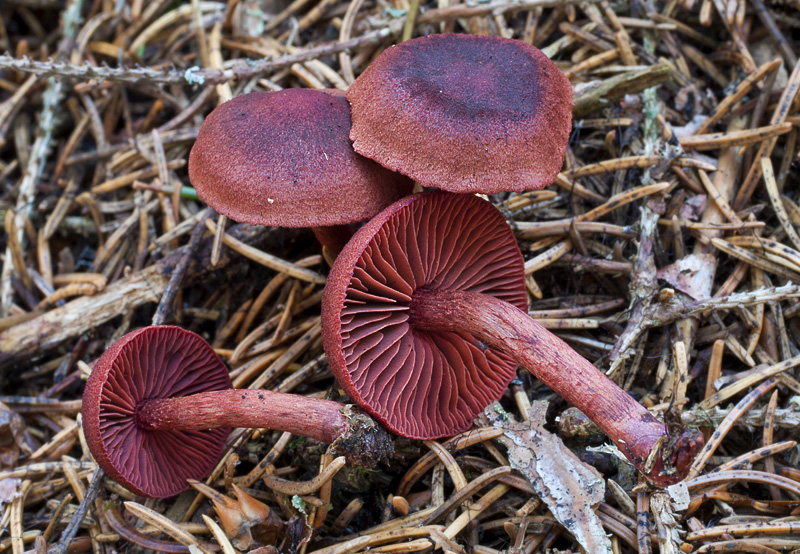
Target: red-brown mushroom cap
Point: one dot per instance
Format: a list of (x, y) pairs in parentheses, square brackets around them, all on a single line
[(420, 384), (284, 158), (464, 113), (152, 363)]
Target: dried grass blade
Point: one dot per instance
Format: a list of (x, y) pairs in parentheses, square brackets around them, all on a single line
[(165, 525), (777, 202), (268, 260), (219, 534)]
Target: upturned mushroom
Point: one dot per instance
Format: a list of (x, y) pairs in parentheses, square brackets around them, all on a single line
[(285, 159), (159, 405), (464, 113), (425, 317)]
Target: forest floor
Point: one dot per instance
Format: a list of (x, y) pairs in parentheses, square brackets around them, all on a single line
[(667, 253)]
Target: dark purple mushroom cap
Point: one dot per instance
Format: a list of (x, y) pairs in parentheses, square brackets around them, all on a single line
[(284, 158), (464, 113), (420, 384), (152, 363)]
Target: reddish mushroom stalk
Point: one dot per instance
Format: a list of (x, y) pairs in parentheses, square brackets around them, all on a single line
[(300, 415), (333, 238), (500, 325), (161, 394), (427, 303)]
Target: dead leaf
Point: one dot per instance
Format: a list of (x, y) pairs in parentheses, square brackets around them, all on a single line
[(299, 531), (666, 524), (694, 207), (9, 488), (690, 275), (568, 486), (13, 438)]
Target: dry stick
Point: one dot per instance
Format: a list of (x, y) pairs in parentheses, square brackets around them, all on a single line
[(284, 486), (268, 260), (762, 528), (613, 203), (209, 77), (610, 166), (719, 434), (719, 200), (269, 289), (740, 91), (767, 440), (325, 492), (777, 267), (41, 146), (746, 545), (15, 520), (408, 26), (176, 280), (167, 526), (642, 523), (10, 107), (72, 529), (790, 258), (746, 137), (449, 463), (777, 202), (429, 460), (219, 534), (681, 373), (747, 459), (616, 87), (751, 379), (577, 189), (262, 466), (553, 228), (724, 182), (765, 150), (783, 45), (129, 533), (56, 516), (345, 60), (714, 367), (460, 496), (66, 322), (642, 287)]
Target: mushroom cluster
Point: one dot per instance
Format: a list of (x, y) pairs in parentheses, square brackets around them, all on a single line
[(425, 320), (428, 298), (425, 311)]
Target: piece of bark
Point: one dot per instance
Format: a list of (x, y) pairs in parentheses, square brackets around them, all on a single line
[(38, 335), (569, 487)]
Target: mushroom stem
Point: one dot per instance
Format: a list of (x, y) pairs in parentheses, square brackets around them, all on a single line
[(333, 238), (300, 415), (643, 439)]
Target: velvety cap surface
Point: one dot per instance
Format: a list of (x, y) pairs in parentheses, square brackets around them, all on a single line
[(152, 363), (464, 113), (420, 384), (284, 158)]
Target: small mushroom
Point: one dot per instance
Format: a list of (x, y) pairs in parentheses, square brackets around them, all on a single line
[(284, 158), (159, 405), (464, 113), (425, 317)]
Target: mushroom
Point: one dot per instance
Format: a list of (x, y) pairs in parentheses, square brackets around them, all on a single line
[(464, 113), (425, 316), (159, 405), (284, 158)]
